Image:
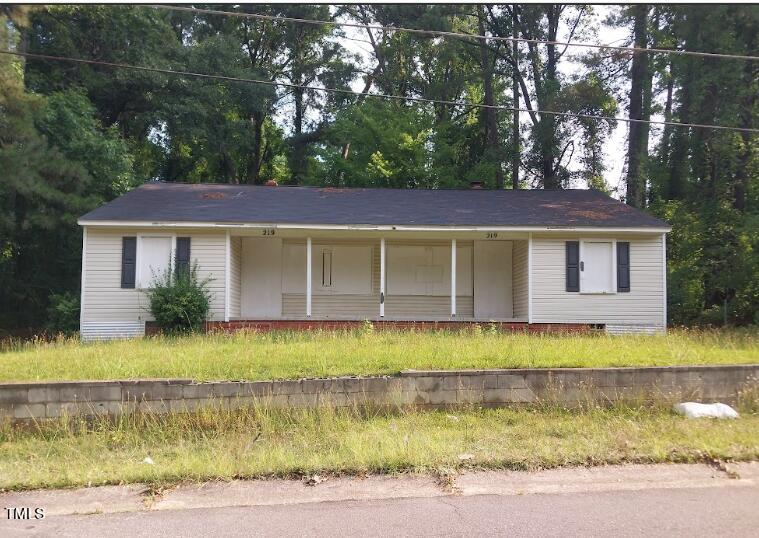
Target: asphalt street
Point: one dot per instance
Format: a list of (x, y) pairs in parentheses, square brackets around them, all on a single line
[(697, 511)]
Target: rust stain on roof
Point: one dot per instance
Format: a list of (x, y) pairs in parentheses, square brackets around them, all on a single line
[(329, 190), (590, 214), (212, 196)]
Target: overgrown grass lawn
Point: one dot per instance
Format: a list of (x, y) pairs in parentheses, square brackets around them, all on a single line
[(263, 442), (278, 355)]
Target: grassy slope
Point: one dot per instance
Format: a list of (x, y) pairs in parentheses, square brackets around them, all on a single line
[(253, 443), (291, 355)]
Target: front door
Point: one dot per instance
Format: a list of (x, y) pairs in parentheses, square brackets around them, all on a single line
[(492, 280), (261, 275)]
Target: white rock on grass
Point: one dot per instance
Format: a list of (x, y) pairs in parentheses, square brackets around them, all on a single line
[(700, 410)]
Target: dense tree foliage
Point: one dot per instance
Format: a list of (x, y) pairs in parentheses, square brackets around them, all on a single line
[(75, 135)]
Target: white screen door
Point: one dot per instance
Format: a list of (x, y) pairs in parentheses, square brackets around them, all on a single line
[(596, 277)]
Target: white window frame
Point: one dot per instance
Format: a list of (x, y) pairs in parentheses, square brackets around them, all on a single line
[(138, 257), (613, 242), (326, 253)]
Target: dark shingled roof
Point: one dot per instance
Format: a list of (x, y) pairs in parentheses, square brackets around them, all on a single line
[(222, 203)]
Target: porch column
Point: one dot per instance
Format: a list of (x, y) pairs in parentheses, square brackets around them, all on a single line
[(664, 279), (529, 278), (227, 274), (382, 277), (308, 277), (84, 284), (453, 278)]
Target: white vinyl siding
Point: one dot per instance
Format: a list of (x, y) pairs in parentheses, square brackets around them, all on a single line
[(109, 330), (415, 307), (642, 306), (519, 279), (208, 250), (105, 302), (400, 307)]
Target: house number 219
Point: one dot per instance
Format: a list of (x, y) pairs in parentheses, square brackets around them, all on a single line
[(268, 231), (492, 235)]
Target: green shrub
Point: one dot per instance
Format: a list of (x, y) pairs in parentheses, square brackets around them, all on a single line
[(63, 313), (179, 301)]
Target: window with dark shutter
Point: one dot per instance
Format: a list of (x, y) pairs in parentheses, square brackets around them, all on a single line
[(183, 255), (573, 265), (128, 261), (623, 266)]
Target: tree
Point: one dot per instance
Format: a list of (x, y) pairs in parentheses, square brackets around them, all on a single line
[(551, 136), (640, 89), (466, 144), (589, 95), (120, 34), (515, 132), (312, 58), (47, 183), (389, 142), (214, 131), (491, 120), (701, 172)]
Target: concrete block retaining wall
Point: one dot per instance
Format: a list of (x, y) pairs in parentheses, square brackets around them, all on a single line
[(493, 388)]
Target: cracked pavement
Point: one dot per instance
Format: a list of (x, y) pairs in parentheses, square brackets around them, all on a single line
[(628, 500)]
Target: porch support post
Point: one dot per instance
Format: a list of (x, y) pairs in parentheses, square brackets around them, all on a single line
[(453, 278), (529, 278), (664, 279), (308, 277), (382, 277), (227, 274), (84, 283)]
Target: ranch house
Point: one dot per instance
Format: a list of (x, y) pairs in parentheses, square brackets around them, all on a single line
[(297, 257)]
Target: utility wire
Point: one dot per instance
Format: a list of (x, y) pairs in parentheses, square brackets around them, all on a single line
[(377, 95), (442, 33)]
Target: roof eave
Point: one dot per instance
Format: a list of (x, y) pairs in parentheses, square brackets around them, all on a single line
[(371, 227)]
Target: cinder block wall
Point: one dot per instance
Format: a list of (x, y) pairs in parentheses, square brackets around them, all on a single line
[(424, 389)]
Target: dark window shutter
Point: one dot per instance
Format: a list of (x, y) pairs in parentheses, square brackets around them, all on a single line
[(183, 255), (573, 265), (623, 266), (128, 261)]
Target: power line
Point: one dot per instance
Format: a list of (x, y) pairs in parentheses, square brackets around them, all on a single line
[(459, 35), (377, 95)]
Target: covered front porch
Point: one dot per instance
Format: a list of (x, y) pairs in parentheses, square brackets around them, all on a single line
[(289, 276)]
